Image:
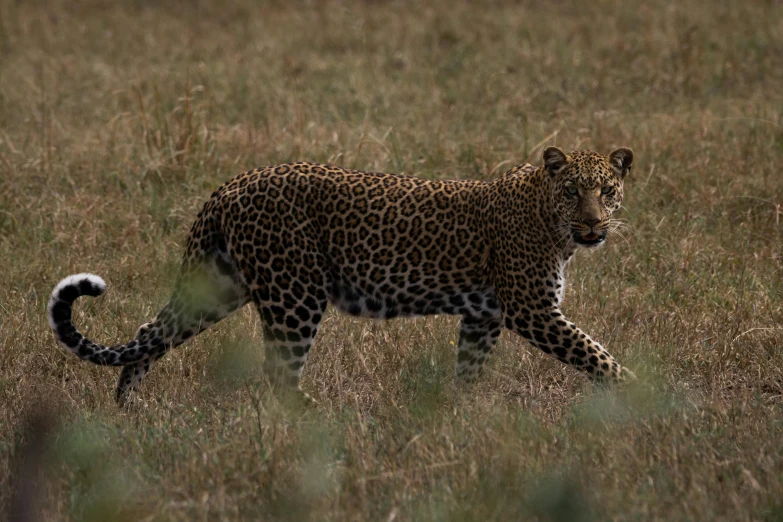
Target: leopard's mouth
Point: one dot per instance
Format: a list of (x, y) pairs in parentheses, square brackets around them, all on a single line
[(591, 239)]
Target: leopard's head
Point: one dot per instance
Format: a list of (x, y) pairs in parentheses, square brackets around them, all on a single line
[(587, 189)]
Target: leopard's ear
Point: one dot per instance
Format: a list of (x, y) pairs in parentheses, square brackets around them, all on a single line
[(554, 160), (622, 159)]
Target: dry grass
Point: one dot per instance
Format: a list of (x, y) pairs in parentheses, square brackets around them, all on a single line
[(117, 119)]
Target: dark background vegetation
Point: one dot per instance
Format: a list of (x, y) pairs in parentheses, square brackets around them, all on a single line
[(117, 119)]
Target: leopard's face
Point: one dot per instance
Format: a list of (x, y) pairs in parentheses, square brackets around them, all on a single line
[(586, 190)]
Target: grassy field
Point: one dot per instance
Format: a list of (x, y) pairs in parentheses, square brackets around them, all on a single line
[(117, 120)]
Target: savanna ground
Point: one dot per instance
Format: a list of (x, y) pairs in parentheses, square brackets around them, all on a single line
[(117, 120)]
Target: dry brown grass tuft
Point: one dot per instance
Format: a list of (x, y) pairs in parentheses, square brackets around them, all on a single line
[(117, 119)]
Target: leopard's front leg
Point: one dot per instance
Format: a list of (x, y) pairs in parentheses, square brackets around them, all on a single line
[(548, 330)]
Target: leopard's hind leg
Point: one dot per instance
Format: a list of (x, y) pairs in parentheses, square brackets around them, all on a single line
[(289, 288), (208, 289)]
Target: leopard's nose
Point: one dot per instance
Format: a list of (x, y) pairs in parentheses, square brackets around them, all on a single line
[(591, 222)]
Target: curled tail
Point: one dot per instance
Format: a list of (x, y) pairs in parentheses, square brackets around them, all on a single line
[(61, 322)]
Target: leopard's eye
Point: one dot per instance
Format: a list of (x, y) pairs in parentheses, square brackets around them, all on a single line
[(571, 190), (608, 189)]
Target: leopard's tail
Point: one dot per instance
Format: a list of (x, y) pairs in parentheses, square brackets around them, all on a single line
[(61, 322)]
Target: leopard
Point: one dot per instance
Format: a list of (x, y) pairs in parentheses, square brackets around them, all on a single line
[(294, 238)]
